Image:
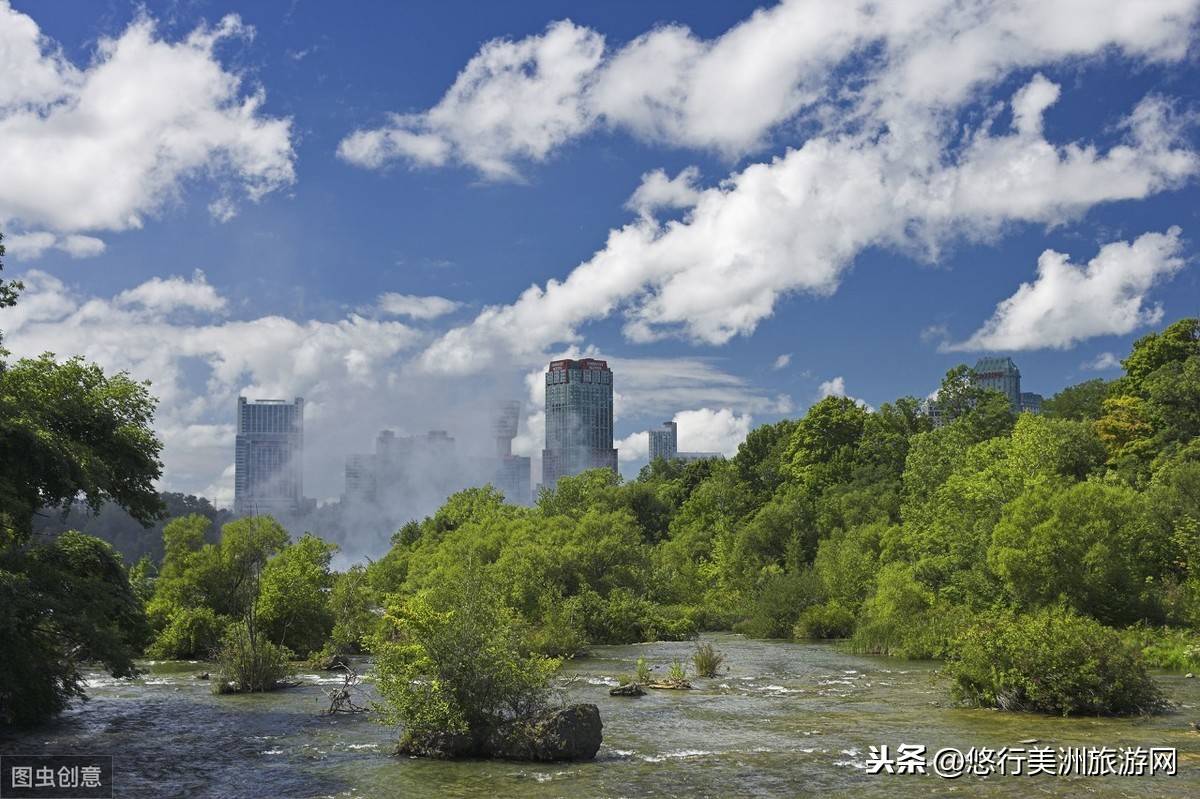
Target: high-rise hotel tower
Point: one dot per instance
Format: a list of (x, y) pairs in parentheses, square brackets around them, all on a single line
[(269, 457), (579, 419)]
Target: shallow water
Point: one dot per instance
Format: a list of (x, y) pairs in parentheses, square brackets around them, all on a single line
[(785, 720)]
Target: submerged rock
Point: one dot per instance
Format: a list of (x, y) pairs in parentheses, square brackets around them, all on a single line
[(628, 689), (569, 733), (332, 662)]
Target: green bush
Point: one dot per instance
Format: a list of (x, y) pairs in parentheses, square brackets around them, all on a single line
[(707, 660), (780, 599), (453, 660), (1165, 648), (190, 633), (247, 662), (829, 620), (1052, 661), (642, 675)]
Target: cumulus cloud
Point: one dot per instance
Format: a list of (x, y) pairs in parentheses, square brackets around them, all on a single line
[(31, 246), (102, 146), (519, 100), (1067, 303), (796, 223), (162, 295), (416, 307), (836, 387), (659, 191), (349, 370), (513, 100), (832, 388), (782, 361), (701, 430), (871, 96), (1102, 363)]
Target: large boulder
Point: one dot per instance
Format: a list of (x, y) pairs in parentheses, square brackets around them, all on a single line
[(570, 733), (440, 746)]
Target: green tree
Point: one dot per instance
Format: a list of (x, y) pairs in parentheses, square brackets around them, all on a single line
[(452, 660), (1082, 402), (293, 595), (62, 604), (67, 429)]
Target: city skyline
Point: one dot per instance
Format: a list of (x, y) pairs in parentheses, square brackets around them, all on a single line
[(401, 207)]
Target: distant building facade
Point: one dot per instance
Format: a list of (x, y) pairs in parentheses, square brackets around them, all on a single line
[(398, 464), (360, 477), (1000, 374), (579, 419), (664, 442), (269, 457), (512, 471), (664, 445)]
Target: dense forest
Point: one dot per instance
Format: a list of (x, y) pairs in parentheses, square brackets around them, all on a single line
[(1048, 559)]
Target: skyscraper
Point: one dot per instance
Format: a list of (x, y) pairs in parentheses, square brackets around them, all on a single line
[(269, 457), (579, 419), (1000, 374), (512, 471), (664, 442)]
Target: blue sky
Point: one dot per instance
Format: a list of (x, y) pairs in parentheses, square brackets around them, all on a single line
[(864, 192)]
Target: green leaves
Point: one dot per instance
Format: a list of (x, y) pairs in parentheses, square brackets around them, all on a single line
[(67, 429)]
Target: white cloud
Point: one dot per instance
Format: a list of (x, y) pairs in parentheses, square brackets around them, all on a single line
[(832, 388), (349, 370), (513, 100), (1102, 363), (31, 246), (659, 191), (518, 100), (701, 430), (103, 146), (782, 361), (795, 224), (416, 307), (1067, 303), (836, 387), (164, 295)]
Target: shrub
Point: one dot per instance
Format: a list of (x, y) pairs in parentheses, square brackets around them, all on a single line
[(642, 675), (677, 672), (1164, 648), (452, 660), (248, 662), (707, 660), (190, 633), (779, 600), (1052, 661), (829, 620)]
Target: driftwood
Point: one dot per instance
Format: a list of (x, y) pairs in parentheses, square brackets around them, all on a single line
[(341, 700), (671, 685)]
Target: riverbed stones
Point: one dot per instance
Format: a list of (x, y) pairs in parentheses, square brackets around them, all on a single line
[(628, 689)]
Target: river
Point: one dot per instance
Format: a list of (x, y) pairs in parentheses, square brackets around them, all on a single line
[(785, 720)]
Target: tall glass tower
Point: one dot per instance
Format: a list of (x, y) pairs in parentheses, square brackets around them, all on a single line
[(269, 457), (579, 419)]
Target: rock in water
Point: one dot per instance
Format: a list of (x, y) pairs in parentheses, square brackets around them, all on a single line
[(439, 746), (333, 662), (572, 733), (628, 689)]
